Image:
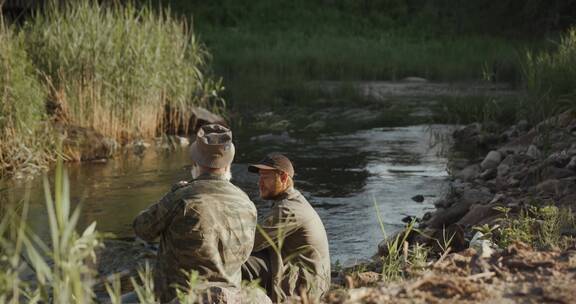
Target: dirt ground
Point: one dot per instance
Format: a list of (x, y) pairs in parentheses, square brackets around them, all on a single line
[(517, 274)]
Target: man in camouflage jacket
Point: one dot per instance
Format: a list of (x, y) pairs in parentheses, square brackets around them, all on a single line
[(207, 225), (291, 255)]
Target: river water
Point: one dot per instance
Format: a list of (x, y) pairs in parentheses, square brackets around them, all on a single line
[(344, 172), (343, 175)]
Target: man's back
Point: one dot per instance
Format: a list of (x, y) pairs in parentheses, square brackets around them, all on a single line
[(207, 226), (294, 223)]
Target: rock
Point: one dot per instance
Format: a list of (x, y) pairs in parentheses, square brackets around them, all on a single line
[(519, 144), (201, 116), (413, 79), (511, 132), (483, 246), (283, 138), (523, 125), (548, 186), (465, 133), (572, 164), (182, 141), (315, 126), (493, 158), (502, 170), (82, 144), (139, 146), (552, 172), (477, 214), (489, 174), (469, 173), (443, 203), (534, 152), (408, 219), (558, 159), (418, 198)]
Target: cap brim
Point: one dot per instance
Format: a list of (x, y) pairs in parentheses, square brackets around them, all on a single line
[(256, 168)]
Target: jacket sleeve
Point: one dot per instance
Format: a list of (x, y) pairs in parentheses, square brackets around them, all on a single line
[(150, 223), (279, 224)]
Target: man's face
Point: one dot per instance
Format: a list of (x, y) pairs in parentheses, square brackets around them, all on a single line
[(269, 183)]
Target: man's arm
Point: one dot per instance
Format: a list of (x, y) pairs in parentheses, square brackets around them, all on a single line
[(150, 223), (279, 224)]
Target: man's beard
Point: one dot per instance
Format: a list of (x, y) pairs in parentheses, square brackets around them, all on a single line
[(195, 171), (278, 189)]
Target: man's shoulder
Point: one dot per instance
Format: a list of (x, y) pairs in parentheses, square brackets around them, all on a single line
[(197, 192)]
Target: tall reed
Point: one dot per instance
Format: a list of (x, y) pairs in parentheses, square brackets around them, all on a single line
[(116, 67), (23, 142)]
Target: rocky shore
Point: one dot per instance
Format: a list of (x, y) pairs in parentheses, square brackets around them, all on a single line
[(519, 171)]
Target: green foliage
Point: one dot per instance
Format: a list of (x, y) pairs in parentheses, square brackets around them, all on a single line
[(61, 267), (23, 146), (540, 227), (115, 67), (550, 76), (399, 257)]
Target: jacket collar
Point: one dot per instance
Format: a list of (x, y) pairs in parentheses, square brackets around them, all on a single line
[(210, 176), (289, 193)]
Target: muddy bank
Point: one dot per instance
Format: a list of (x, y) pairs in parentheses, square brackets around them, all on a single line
[(88, 144)]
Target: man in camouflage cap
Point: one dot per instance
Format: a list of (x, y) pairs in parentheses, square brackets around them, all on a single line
[(207, 225), (291, 255)]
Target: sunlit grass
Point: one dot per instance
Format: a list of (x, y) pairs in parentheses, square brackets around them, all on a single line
[(122, 70), (114, 68)]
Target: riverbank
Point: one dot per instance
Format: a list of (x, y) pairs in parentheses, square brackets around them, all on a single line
[(504, 233)]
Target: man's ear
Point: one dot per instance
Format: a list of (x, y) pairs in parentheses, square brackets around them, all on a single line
[(283, 177)]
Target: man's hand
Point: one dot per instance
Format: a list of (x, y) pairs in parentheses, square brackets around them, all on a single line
[(179, 185)]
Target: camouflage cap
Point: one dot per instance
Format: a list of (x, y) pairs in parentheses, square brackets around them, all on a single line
[(213, 147), (274, 161)]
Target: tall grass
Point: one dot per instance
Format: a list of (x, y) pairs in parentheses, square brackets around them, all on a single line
[(24, 143), (62, 268), (114, 68), (550, 76), (266, 67), (123, 70)]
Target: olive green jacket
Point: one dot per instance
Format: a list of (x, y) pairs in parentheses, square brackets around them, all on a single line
[(298, 235), (207, 225)]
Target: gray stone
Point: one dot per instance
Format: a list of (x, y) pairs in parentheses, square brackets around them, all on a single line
[(503, 170), (533, 152), (557, 187), (489, 174), (183, 141), (548, 186), (558, 159), (523, 125), (556, 173), (418, 198), (415, 79), (316, 126), (572, 164), (469, 173), (480, 195), (493, 158)]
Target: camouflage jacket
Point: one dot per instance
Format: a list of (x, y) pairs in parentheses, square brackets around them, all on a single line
[(207, 225), (296, 240)]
